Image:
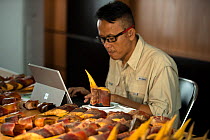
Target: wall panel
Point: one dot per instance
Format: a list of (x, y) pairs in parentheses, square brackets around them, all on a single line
[(55, 35), (179, 27)]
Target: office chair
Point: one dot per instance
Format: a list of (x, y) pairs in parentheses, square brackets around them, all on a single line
[(189, 93)]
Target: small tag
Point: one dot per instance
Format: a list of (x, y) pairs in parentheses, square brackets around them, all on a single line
[(46, 96), (136, 94), (110, 83), (142, 78)]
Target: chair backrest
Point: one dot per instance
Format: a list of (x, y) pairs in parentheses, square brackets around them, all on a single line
[(189, 93)]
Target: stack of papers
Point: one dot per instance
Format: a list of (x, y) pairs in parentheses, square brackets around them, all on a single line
[(113, 107)]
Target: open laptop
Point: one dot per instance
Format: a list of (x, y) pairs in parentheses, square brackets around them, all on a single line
[(49, 86)]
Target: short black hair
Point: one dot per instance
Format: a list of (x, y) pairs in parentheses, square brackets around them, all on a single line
[(114, 11)]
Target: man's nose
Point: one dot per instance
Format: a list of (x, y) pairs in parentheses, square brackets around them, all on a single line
[(107, 44)]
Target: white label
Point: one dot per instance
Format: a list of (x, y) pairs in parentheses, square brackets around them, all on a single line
[(46, 96)]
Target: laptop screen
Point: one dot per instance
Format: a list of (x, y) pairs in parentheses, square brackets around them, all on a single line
[(49, 85)]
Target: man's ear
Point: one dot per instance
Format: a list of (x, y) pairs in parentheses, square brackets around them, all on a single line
[(132, 33)]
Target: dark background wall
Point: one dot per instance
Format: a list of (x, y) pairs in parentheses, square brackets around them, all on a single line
[(197, 71), (84, 51)]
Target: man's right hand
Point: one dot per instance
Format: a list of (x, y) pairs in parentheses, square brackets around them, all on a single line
[(73, 91)]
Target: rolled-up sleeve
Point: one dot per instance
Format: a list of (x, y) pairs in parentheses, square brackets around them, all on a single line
[(164, 97)]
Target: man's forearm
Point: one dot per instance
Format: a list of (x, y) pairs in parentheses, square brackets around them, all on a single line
[(130, 103)]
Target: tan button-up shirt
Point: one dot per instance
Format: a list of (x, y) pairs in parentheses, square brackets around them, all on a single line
[(149, 77)]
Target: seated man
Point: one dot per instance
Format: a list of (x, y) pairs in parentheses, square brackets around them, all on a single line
[(140, 75)]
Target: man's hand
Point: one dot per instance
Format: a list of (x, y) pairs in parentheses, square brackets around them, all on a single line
[(87, 98), (73, 91), (115, 98), (127, 102)]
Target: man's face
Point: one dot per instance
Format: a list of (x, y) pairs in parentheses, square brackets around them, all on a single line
[(121, 48)]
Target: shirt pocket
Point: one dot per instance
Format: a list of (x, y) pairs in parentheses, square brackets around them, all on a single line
[(137, 88), (112, 84)]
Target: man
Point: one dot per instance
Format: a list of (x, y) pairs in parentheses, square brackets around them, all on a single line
[(140, 75)]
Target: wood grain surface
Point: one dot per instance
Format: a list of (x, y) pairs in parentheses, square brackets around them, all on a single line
[(179, 27)]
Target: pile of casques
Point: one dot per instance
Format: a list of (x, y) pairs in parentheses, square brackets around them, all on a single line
[(69, 122)]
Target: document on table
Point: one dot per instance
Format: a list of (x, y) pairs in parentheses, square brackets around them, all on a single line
[(113, 107)]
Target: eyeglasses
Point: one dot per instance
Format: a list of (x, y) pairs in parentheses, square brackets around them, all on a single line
[(112, 38)]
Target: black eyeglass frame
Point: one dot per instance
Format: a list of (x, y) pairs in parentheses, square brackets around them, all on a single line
[(112, 38)]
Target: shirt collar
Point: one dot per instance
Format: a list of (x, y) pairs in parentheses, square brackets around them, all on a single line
[(136, 55)]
